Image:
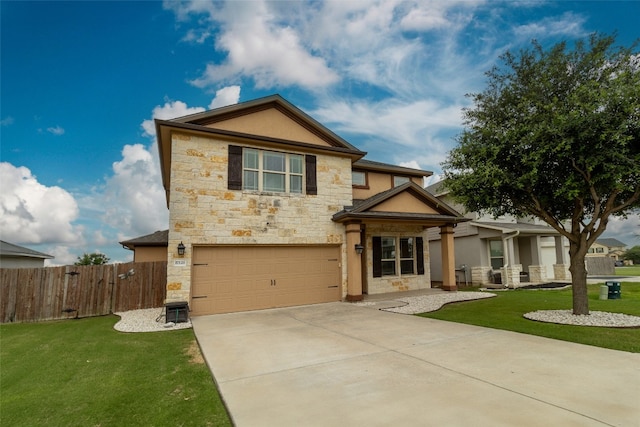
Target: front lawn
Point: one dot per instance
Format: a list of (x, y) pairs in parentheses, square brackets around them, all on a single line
[(507, 309), (632, 270), (84, 373)]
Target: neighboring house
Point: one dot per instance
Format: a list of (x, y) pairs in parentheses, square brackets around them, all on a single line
[(152, 247), (505, 251), (272, 209), (607, 247), (14, 256)]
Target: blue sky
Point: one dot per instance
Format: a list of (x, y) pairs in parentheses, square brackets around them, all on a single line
[(82, 81)]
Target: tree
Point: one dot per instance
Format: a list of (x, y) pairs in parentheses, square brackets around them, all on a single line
[(95, 258), (633, 254), (556, 135)]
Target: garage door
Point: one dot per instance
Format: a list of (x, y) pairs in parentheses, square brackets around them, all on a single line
[(238, 278)]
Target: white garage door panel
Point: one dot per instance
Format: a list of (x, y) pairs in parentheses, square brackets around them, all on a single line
[(228, 279)]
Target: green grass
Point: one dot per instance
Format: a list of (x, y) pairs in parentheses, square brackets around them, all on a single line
[(84, 373), (507, 309), (633, 270)]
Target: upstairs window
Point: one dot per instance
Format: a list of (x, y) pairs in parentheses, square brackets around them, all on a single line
[(271, 171), (358, 179), (399, 180)]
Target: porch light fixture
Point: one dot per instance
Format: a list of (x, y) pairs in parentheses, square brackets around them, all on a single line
[(359, 248), (181, 248)]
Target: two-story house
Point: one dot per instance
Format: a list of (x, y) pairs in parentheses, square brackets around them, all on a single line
[(269, 208)]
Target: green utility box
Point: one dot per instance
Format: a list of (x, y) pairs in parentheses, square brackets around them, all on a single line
[(614, 290)]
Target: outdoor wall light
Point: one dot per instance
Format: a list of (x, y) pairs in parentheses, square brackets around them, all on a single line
[(359, 248), (181, 248)]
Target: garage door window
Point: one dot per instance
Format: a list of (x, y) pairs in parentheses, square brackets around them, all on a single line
[(393, 254), (271, 171)]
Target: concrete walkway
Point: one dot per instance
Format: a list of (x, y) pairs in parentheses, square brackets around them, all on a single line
[(340, 364)]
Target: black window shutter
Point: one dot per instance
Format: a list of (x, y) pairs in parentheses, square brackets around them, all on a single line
[(234, 172), (310, 167), (377, 256), (420, 255)]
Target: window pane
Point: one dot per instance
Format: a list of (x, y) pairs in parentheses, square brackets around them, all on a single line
[(250, 180), (358, 178), (250, 158), (406, 266), (273, 161), (406, 248), (295, 164), (273, 182), (295, 184), (389, 248), (388, 268), (497, 263), (399, 180), (495, 246)]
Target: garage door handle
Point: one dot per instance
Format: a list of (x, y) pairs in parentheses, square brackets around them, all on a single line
[(200, 264), (335, 286), (199, 296)]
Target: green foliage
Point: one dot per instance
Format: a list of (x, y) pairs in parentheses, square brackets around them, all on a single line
[(555, 135), (633, 254), (507, 309), (95, 258), (84, 373)]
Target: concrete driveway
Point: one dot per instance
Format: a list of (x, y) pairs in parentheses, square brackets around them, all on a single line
[(340, 364)]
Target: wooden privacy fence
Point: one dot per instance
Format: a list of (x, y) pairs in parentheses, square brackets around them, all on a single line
[(35, 294)]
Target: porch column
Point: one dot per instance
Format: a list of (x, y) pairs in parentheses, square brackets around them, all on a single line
[(561, 267), (448, 258), (354, 263), (537, 271)]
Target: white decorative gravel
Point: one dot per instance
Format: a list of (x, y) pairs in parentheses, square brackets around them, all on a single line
[(594, 318), (147, 320), (433, 302)]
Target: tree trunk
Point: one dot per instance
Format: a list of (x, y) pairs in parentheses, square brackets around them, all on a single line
[(579, 278)]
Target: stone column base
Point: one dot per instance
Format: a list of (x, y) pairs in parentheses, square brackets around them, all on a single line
[(354, 298), (511, 276), (537, 273), (480, 275), (561, 272)]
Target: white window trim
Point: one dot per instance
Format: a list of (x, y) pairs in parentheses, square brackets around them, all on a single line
[(261, 171)]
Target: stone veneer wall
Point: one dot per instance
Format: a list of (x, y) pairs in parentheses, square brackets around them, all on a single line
[(384, 284), (204, 212)]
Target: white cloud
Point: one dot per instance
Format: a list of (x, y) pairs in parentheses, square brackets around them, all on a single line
[(258, 46), (134, 198), (626, 230), (569, 24), (31, 212), (170, 110), (7, 121), (56, 130), (226, 96)]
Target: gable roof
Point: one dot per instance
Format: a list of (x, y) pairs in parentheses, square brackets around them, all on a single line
[(210, 123), (11, 250), (435, 213), (158, 238), (611, 243)]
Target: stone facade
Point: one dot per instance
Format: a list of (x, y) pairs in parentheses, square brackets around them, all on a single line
[(480, 275), (204, 212), (561, 272), (537, 273), (378, 285)]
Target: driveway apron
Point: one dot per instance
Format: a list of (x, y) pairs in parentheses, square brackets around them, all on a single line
[(340, 364)]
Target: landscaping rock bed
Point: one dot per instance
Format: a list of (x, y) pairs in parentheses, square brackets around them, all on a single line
[(147, 320)]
